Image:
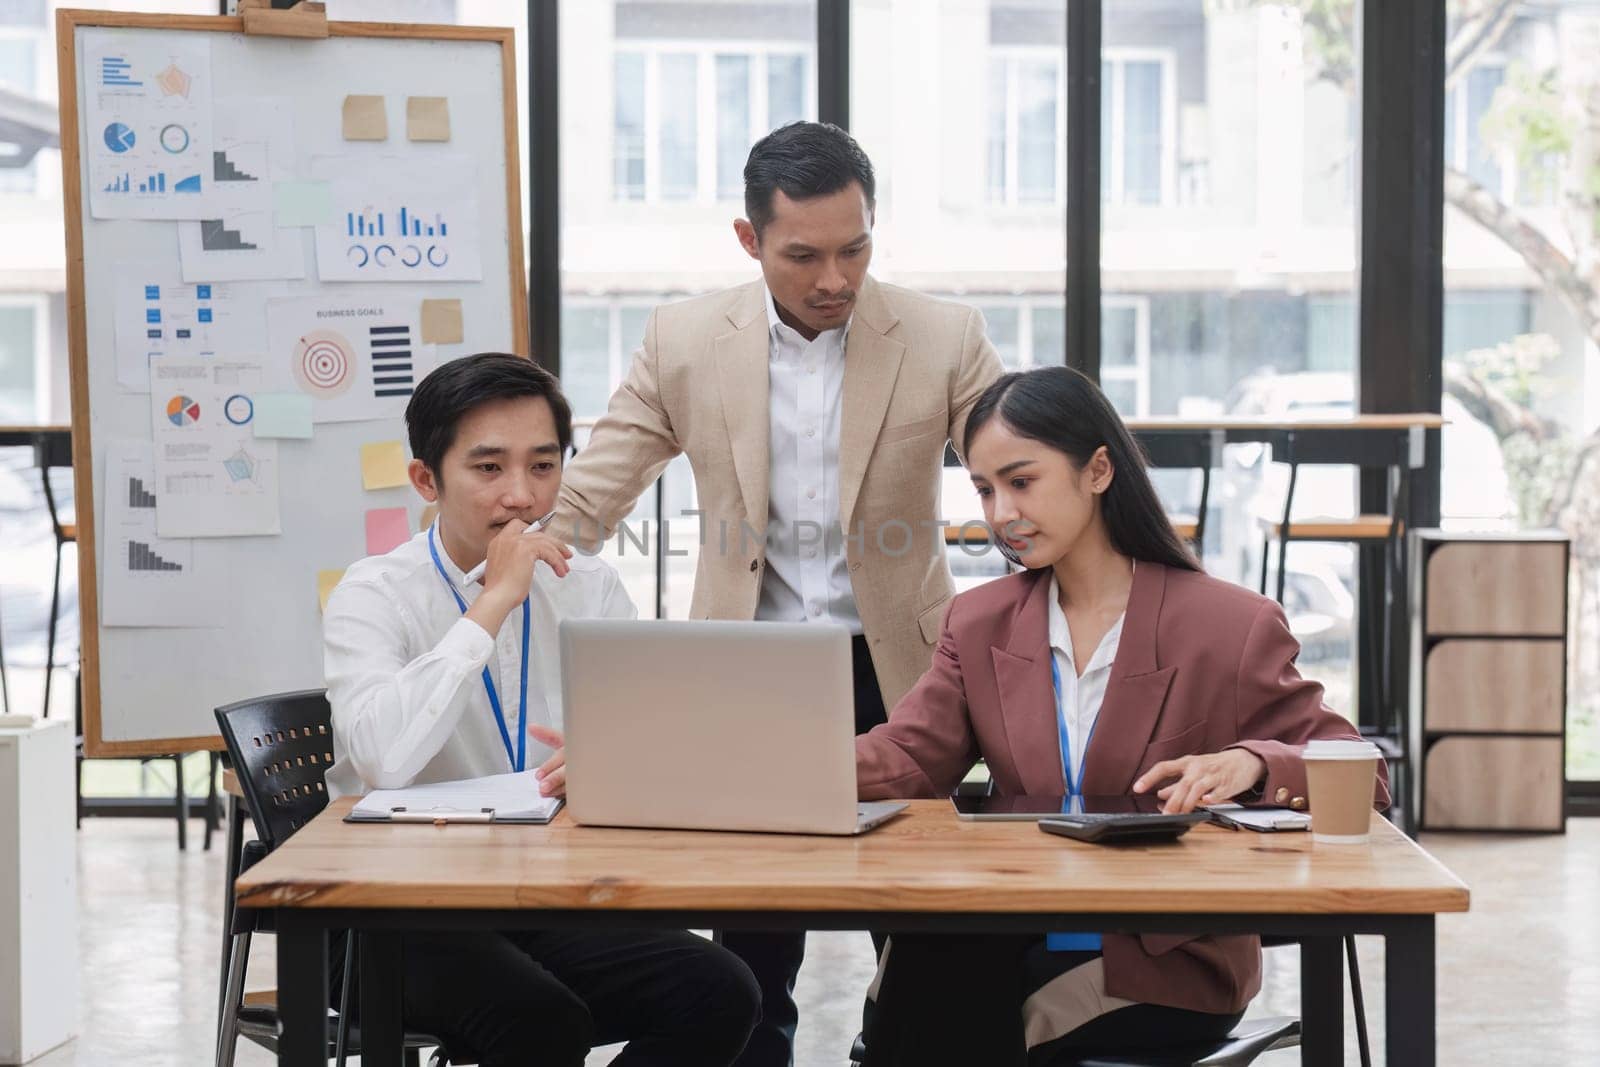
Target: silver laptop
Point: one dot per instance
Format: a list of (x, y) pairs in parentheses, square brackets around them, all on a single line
[(712, 726)]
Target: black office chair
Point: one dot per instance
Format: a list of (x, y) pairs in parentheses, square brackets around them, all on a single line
[(53, 451), (281, 747), (1187, 450)]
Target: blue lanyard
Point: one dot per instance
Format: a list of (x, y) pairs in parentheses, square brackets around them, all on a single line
[(520, 760), (1074, 785)]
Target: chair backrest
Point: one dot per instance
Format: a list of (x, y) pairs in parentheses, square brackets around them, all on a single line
[(281, 747), (52, 449)]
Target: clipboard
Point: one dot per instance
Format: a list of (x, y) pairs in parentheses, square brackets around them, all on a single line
[(497, 798), (441, 814)]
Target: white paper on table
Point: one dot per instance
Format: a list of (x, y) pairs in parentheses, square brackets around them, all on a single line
[(400, 219), (150, 580), (157, 314), (214, 477), (148, 125), (1263, 818), (356, 354), (254, 147), (509, 796)]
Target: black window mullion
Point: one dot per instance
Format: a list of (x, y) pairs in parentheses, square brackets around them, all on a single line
[(833, 62), (1083, 186), (544, 185)]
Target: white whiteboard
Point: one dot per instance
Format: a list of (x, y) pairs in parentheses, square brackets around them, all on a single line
[(153, 689)]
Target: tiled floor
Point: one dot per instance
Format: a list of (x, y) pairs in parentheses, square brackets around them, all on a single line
[(1519, 976)]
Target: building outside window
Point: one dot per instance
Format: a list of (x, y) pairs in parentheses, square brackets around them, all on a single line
[(686, 114)]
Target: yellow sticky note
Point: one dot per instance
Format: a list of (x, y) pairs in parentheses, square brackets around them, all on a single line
[(383, 465), (326, 580), (441, 322), (429, 513), (427, 118), (365, 119)]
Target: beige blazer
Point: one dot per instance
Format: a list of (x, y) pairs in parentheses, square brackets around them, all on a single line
[(914, 366)]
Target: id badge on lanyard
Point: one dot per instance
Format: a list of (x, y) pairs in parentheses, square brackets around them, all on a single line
[(519, 757), (1074, 784)]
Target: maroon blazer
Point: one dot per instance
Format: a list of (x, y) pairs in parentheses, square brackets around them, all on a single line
[(1202, 665)]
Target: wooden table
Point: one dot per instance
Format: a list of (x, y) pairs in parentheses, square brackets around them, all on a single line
[(925, 870)]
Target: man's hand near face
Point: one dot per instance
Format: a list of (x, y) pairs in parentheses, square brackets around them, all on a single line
[(509, 571)]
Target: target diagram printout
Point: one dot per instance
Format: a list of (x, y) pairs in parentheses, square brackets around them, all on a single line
[(357, 356), (214, 477)]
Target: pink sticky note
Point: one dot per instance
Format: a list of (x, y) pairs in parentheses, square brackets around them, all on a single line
[(387, 529)]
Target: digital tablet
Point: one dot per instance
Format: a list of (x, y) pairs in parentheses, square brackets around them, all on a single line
[(1032, 808), (1008, 809)]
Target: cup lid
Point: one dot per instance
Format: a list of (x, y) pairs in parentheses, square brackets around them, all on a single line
[(1340, 749)]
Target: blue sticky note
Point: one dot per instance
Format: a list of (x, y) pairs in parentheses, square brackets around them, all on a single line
[(282, 415), (152, 292), (203, 314), (152, 315), (202, 292), (302, 203)]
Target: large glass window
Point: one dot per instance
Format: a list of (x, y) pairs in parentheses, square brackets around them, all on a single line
[(1229, 263), (1521, 334), (23, 51), (21, 331), (681, 91), (967, 134)]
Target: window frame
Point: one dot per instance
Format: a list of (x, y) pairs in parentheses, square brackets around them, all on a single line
[(1114, 192), (706, 52), (1012, 56)]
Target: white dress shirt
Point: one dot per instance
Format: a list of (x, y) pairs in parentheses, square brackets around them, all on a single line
[(404, 669), (1078, 702), (807, 577)]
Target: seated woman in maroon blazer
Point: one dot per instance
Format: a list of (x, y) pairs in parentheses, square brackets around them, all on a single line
[(1110, 665)]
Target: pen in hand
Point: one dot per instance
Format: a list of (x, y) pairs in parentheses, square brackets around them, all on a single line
[(476, 573)]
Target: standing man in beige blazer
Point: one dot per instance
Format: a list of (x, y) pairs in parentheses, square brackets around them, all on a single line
[(814, 405)]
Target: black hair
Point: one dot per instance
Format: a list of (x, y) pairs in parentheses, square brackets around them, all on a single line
[(1061, 408), (805, 160), (453, 389)]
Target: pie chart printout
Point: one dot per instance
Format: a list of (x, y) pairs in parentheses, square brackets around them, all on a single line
[(183, 411)]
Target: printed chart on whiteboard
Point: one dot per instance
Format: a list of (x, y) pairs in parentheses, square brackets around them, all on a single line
[(254, 147), (159, 315), (357, 357), (413, 220), (150, 580), (148, 109), (214, 477)]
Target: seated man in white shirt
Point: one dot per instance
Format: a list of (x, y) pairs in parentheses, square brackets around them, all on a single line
[(434, 679)]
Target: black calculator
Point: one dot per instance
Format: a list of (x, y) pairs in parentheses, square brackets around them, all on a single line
[(1116, 828)]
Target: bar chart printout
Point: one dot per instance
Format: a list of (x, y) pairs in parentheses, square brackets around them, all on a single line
[(400, 221)]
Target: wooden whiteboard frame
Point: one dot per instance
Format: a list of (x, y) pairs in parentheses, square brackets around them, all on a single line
[(68, 21)]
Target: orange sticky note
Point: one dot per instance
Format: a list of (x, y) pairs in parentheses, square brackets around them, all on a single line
[(326, 580), (387, 528), (441, 322), (427, 118), (364, 119), (383, 465)]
